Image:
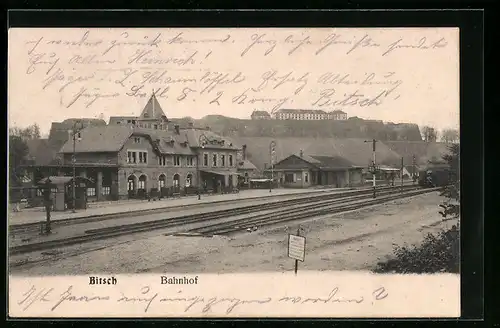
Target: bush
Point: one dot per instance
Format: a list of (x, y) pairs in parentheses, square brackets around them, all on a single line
[(437, 253)]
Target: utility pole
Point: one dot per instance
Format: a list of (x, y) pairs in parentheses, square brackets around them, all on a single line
[(272, 154), (47, 197), (374, 168), (402, 169), (73, 162), (201, 145), (414, 169)]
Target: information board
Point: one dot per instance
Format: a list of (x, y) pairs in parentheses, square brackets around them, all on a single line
[(297, 247)]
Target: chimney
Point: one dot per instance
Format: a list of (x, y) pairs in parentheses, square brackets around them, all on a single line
[(177, 129), (244, 147), (190, 125), (301, 153)]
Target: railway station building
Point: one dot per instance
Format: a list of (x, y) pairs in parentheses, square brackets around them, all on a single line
[(132, 157)]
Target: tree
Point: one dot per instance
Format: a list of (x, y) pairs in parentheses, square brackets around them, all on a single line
[(29, 133), (429, 134), (451, 206), (18, 150), (450, 136)]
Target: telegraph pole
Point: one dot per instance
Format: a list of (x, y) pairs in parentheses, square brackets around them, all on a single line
[(272, 153), (413, 169), (374, 168), (402, 169), (73, 162), (201, 145)]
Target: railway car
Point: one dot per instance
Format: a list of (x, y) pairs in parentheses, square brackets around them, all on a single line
[(434, 176)]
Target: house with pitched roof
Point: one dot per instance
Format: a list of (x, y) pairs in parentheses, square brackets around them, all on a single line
[(303, 170), (337, 115), (260, 115), (135, 156), (327, 161)]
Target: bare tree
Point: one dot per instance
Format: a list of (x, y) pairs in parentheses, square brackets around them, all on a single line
[(429, 134), (28, 133), (450, 136)]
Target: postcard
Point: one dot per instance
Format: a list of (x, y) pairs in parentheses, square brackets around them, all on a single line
[(233, 172)]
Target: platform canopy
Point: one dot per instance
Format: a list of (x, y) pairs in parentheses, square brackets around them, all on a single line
[(388, 168), (60, 180), (224, 173)]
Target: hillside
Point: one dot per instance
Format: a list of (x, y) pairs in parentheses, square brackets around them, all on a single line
[(351, 128), (352, 149)]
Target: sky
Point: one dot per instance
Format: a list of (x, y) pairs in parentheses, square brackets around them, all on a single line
[(394, 75)]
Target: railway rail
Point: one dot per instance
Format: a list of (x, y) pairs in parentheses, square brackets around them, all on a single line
[(294, 214), (35, 226), (292, 209)]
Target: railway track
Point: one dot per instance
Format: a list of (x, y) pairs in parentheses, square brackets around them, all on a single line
[(294, 214), (299, 205), (35, 226)]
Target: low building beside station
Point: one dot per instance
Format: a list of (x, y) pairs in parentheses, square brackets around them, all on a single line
[(306, 162), (302, 171)]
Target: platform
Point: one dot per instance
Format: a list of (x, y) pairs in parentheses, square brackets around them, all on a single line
[(38, 214)]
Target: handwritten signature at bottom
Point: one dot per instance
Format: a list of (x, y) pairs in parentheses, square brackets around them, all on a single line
[(147, 297)]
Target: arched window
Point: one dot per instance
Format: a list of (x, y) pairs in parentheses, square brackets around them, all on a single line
[(142, 182), (189, 180), (131, 183), (161, 181), (176, 180)]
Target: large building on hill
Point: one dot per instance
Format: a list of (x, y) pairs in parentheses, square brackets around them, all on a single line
[(133, 156), (309, 115)]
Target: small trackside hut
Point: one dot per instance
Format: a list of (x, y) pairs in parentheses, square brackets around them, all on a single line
[(62, 191), (302, 171)]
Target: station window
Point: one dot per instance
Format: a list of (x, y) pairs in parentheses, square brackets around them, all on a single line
[(131, 157), (143, 157), (177, 161), (190, 161), (306, 177), (205, 159), (106, 190), (230, 159), (141, 184), (90, 192), (222, 160), (214, 160), (162, 160)]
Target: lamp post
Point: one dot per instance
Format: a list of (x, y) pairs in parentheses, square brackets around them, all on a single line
[(73, 161), (202, 140), (374, 167), (272, 154)]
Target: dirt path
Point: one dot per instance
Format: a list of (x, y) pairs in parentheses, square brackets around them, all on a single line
[(350, 241)]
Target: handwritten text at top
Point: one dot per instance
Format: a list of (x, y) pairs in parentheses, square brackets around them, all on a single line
[(177, 65)]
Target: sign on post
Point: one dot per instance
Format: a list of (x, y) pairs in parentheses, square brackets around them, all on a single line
[(297, 247)]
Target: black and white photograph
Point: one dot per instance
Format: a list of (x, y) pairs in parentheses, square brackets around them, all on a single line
[(196, 157)]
